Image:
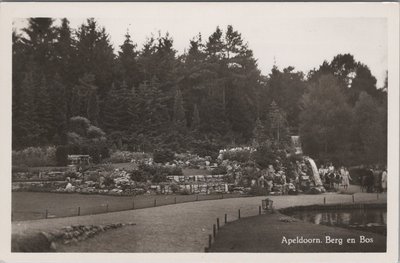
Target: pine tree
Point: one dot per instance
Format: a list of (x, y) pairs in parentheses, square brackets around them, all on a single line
[(127, 63), (196, 118), (179, 112), (93, 108)]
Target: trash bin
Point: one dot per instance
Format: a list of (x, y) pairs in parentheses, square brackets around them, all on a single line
[(267, 204)]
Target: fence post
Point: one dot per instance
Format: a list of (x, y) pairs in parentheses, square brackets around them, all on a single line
[(259, 210), (214, 231), (352, 197), (324, 200), (79, 210), (155, 202), (217, 223), (226, 218), (47, 213), (209, 241), (239, 214), (175, 199)]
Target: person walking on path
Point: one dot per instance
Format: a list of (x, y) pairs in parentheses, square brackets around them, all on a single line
[(346, 179)]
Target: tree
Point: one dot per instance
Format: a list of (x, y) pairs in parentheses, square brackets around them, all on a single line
[(93, 107), (286, 88), (128, 70), (95, 55), (370, 128), (278, 124), (179, 117), (325, 120), (196, 118)]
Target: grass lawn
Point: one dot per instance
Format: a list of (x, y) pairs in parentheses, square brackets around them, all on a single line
[(265, 233), (33, 205)]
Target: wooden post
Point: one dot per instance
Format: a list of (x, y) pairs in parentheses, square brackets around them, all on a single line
[(214, 231), (226, 218), (217, 223), (239, 214), (209, 241), (79, 210), (324, 200), (175, 199), (352, 197), (155, 202), (47, 213), (259, 210)]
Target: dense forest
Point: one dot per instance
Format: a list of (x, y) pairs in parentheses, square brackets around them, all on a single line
[(70, 88)]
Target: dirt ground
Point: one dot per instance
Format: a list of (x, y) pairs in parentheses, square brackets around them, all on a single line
[(173, 228)]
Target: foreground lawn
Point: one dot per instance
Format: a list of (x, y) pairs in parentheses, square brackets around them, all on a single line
[(33, 205), (265, 233)]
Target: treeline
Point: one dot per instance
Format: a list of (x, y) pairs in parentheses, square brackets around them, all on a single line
[(212, 96)]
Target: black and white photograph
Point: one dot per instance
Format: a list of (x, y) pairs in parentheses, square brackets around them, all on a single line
[(210, 128)]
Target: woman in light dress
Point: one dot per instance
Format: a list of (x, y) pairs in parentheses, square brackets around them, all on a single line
[(346, 178)]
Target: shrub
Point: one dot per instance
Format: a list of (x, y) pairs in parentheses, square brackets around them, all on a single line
[(185, 191), (62, 155), (240, 155), (138, 176), (126, 156), (108, 181), (163, 156), (35, 156), (159, 169), (219, 170), (257, 191)]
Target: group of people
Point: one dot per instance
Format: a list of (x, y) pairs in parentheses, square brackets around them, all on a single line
[(371, 179), (374, 179), (333, 179)]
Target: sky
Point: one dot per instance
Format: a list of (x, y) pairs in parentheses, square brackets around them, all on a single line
[(301, 42)]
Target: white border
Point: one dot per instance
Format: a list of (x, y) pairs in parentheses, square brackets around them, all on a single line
[(8, 11)]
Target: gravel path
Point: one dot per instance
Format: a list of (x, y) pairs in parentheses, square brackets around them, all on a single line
[(174, 228)]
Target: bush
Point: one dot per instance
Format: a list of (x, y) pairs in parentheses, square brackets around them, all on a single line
[(241, 156), (138, 176), (62, 155), (185, 191), (257, 191), (219, 170), (35, 156), (126, 156), (163, 156)]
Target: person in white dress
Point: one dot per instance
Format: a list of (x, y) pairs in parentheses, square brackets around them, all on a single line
[(346, 178)]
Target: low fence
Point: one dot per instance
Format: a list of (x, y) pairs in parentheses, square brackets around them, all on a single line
[(114, 205)]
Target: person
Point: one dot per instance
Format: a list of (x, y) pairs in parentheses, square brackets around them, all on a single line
[(384, 180), (377, 179), (370, 180), (346, 179), (341, 174), (321, 172)]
